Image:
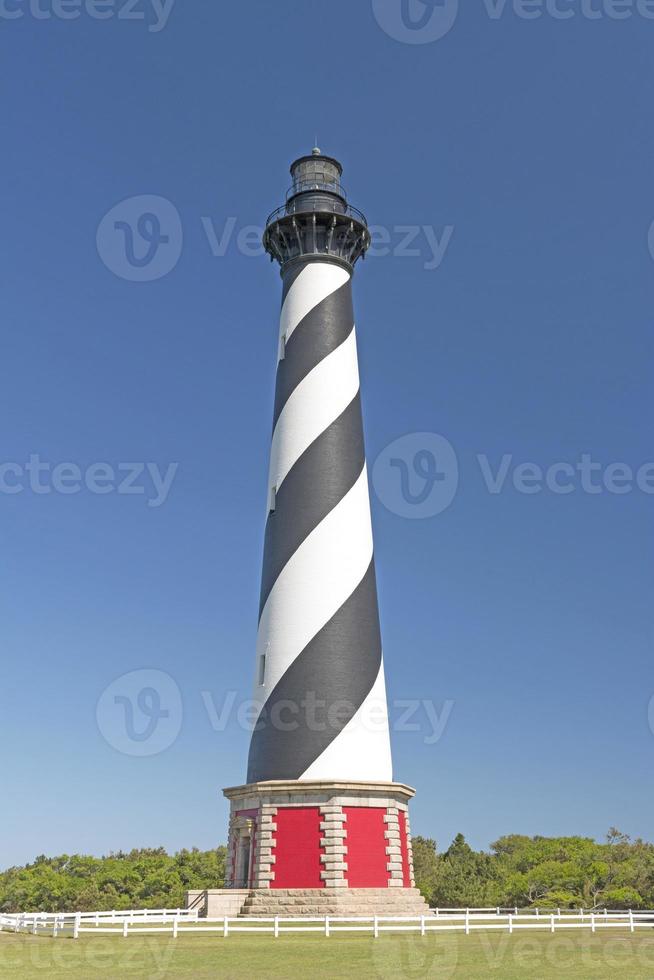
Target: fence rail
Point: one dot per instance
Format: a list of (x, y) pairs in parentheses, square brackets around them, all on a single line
[(177, 922)]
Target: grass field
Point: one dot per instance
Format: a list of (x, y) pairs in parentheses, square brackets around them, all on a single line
[(536, 956)]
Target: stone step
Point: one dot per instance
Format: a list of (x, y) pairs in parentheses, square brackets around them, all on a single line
[(378, 903), (342, 902)]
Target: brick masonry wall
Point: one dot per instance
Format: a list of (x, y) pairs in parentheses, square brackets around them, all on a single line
[(333, 846), (332, 843)]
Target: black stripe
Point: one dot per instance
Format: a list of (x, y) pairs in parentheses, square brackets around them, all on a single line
[(336, 670), (319, 333), (315, 484)]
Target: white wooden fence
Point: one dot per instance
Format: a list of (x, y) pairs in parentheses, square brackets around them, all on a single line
[(178, 922)]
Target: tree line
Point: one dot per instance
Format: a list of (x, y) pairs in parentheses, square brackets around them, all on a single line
[(536, 872), (144, 878)]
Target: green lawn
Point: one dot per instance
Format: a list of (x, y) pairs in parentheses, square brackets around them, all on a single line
[(530, 955)]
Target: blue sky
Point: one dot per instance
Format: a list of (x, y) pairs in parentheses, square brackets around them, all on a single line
[(523, 146)]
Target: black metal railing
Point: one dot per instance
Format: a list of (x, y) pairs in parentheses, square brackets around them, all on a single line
[(324, 206)]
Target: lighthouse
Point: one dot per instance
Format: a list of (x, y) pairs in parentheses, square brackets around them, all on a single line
[(319, 826)]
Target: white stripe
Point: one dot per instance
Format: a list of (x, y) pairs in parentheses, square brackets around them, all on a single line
[(362, 751), (316, 282), (318, 400), (313, 585)]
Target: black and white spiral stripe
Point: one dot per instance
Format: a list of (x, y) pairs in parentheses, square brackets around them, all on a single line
[(320, 673)]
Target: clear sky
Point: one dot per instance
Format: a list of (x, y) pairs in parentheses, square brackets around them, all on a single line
[(522, 329)]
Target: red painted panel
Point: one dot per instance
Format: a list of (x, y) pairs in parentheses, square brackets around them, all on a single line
[(404, 844), (297, 848), (366, 847)]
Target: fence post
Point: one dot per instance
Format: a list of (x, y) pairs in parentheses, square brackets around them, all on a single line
[(78, 920), (538, 913), (375, 927), (225, 927), (327, 926), (497, 910), (422, 925), (510, 925), (515, 912), (631, 920), (467, 922), (276, 929), (552, 927), (125, 928)]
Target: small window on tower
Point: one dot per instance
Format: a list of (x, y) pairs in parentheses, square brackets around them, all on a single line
[(282, 347), (262, 670), (273, 499)]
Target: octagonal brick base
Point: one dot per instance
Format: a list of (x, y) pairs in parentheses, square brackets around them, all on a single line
[(322, 848)]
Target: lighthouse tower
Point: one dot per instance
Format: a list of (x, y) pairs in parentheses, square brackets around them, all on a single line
[(319, 826)]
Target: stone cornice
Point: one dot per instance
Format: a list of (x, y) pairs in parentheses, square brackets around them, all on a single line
[(322, 786)]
